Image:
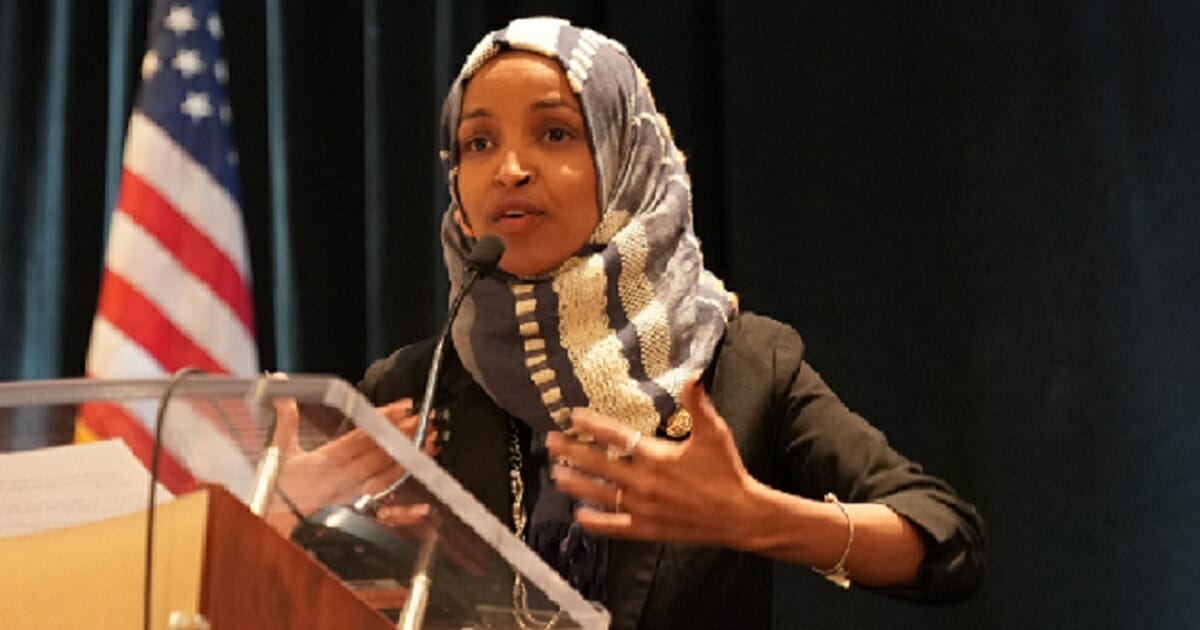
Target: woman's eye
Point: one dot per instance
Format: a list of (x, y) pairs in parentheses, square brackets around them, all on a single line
[(476, 144), (557, 134)]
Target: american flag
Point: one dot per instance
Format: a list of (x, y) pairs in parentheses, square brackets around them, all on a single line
[(176, 285)]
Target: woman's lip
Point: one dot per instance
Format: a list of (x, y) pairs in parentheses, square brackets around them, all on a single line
[(517, 225), (515, 214), (514, 208)]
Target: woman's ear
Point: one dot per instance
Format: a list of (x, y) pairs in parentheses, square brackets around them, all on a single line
[(461, 220)]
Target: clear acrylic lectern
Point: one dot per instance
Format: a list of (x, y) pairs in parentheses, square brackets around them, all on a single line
[(301, 453)]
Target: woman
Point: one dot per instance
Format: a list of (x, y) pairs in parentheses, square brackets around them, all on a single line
[(668, 446)]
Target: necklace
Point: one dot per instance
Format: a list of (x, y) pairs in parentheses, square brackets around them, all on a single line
[(521, 612)]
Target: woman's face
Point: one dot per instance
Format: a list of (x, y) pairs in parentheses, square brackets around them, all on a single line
[(525, 172)]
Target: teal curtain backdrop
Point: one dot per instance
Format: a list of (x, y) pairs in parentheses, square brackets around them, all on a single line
[(982, 218)]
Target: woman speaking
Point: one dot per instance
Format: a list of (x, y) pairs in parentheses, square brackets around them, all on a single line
[(653, 442)]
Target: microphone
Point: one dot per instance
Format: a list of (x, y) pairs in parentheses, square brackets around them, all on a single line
[(482, 260), (486, 255), (347, 539)]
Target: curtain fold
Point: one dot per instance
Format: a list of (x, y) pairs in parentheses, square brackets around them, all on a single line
[(44, 237), (37, 46)]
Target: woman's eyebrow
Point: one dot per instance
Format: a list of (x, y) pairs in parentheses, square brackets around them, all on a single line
[(553, 103), (479, 112)]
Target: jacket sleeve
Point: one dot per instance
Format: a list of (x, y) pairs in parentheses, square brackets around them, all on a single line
[(399, 375), (828, 448)]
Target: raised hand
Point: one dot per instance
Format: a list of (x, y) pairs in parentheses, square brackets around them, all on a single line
[(691, 491)]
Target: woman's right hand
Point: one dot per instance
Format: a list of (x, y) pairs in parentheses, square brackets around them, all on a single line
[(344, 468)]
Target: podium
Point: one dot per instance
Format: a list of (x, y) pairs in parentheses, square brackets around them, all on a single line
[(303, 453)]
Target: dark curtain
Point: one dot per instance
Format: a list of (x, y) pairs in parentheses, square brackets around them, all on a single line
[(53, 93), (980, 217)]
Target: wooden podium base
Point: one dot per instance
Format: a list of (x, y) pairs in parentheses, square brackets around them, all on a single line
[(211, 556)]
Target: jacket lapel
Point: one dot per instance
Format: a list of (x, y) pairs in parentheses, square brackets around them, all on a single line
[(631, 569), (477, 450)]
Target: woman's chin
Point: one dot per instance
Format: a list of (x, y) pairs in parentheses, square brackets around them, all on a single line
[(522, 267)]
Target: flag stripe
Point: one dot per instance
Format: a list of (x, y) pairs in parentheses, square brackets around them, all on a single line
[(189, 304), (110, 420), (187, 244), (112, 352), (139, 319), (199, 431), (153, 156), (196, 432)]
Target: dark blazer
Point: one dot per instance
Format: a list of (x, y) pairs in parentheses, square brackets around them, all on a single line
[(793, 434)]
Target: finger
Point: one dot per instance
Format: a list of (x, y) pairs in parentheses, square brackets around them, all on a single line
[(401, 405), (432, 447), (370, 464), (634, 525), (699, 406), (398, 411), (610, 523), (358, 453), (590, 459), (347, 447), (287, 425), (287, 419), (415, 521), (401, 415), (602, 428), (593, 491), (403, 515), (583, 486)]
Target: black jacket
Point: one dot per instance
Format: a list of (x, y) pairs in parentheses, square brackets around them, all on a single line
[(793, 434)]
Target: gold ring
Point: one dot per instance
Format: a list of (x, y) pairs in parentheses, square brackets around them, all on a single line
[(617, 503)]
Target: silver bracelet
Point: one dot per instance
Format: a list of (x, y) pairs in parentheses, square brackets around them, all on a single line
[(838, 574)]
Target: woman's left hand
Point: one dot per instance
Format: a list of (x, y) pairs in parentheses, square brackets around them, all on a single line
[(696, 491)]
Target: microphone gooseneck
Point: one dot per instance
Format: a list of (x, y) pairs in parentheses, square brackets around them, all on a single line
[(347, 538), (482, 260)]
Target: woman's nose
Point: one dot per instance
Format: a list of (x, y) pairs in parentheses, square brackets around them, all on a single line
[(512, 171)]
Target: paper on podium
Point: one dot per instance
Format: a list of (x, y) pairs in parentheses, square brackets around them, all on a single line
[(69, 485)]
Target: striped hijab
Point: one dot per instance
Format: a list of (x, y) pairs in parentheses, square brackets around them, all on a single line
[(620, 325)]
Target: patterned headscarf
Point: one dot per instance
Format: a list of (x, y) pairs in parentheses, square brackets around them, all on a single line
[(620, 325)]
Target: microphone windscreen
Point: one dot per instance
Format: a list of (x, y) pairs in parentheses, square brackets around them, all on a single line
[(486, 254)]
